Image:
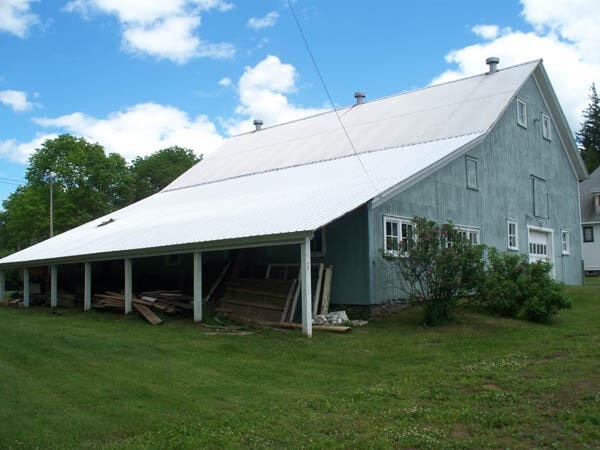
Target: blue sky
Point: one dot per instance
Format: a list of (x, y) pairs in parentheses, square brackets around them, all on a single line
[(140, 76)]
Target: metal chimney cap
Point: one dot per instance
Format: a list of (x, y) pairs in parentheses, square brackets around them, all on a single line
[(360, 97), (258, 123), (492, 61)]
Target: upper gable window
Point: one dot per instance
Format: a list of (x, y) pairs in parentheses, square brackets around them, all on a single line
[(522, 113), (546, 128), (471, 167)]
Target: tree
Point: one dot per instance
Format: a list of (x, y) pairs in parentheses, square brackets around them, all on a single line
[(87, 184), (153, 173), (589, 135), (439, 265)]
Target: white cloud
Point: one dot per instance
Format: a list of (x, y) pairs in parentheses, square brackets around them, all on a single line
[(13, 151), (17, 100), (486, 31), (164, 29), (225, 82), (141, 130), (258, 23), (262, 90), (16, 18), (565, 36)]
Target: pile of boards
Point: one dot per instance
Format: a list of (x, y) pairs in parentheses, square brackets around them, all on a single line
[(147, 304)]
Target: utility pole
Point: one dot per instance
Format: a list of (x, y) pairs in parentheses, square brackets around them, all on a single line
[(51, 177)]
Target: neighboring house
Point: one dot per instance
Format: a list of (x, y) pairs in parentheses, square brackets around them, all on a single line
[(589, 201), (493, 153)]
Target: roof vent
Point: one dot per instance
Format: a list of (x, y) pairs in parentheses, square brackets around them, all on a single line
[(360, 97), (258, 124), (493, 61)]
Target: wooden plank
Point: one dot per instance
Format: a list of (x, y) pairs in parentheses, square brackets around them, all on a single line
[(326, 290), (147, 314), (334, 328), (317, 294), (217, 283), (288, 300), (232, 301), (295, 302)]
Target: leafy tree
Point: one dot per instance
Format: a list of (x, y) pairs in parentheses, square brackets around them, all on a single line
[(440, 266), (86, 184), (589, 135), (154, 172)]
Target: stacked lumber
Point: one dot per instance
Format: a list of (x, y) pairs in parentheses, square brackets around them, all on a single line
[(147, 304), (260, 299)]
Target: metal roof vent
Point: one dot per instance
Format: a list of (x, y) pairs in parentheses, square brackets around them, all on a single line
[(258, 124), (360, 97), (493, 61)]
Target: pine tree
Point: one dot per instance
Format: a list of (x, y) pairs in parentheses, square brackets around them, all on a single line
[(589, 136)]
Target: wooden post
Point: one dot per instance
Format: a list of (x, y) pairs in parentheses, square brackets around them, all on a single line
[(306, 287), (198, 287), (128, 286), (2, 286), (26, 287), (87, 287), (53, 287)]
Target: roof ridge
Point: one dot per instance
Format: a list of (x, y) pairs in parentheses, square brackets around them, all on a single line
[(308, 163)]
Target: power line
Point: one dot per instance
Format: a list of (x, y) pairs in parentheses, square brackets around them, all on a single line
[(12, 179), (310, 53)]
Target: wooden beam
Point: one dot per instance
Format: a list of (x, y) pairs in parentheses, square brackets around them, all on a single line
[(128, 286), (326, 290), (2, 286), (26, 288), (53, 286), (218, 282), (87, 287), (317, 293), (306, 287), (197, 287)]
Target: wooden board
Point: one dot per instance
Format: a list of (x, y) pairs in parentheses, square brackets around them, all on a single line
[(326, 290), (288, 300), (317, 293), (147, 314)]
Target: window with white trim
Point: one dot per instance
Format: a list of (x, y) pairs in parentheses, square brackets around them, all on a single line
[(471, 234), (521, 113), (397, 234), (565, 244), (588, 233), (546, 128), (471, 168), (512, 233)]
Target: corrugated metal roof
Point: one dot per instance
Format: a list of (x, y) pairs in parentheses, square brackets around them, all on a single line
[(298, 176), (296, 199), (466, 106)]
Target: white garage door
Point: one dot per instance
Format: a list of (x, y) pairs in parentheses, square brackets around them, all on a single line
[(539, 246)]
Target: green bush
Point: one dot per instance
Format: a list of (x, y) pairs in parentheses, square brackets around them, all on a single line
[(439, 265), (513, 287)]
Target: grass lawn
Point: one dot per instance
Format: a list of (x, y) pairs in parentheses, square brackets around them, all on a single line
[(592, 281), (99, 380)]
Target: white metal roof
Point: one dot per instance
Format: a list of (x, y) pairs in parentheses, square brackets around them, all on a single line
[(296, 177)]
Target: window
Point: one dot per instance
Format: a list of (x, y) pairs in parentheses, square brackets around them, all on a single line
[(397, 235), (540, 197), (471, 165), (317, 243), (564, 242), (472, 234), (546, 128), (522, 113), (512, 234), (588, 234)]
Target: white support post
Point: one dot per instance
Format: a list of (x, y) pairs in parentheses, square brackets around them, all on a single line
[(128, 286), (87, 287), (2, 286), (198, 287), (306, 287), (53, 287), (26, 287)]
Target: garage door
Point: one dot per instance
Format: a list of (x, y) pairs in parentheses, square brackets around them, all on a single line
[(539, 246)]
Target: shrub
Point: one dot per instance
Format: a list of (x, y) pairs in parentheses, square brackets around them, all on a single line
[(439, 265), (513, 287)]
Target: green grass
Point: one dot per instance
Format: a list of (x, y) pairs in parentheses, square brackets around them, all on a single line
[(592, 281), (99, 380)]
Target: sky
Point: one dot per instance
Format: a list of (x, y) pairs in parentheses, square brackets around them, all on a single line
[(138, 76)]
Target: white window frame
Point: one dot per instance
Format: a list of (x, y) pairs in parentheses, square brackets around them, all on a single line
[(565, 242), (515, 235), (591, 228), (471, 160), (399, 221), (546, 127), (469, 233), (521, 104)]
